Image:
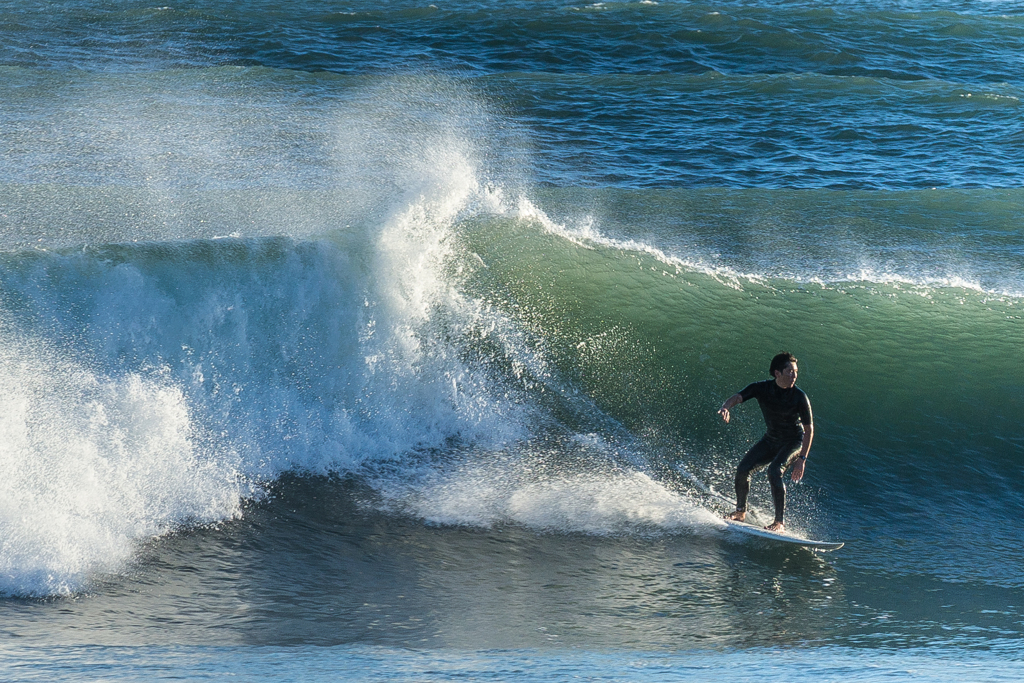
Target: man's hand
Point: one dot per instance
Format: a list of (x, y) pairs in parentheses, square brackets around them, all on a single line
[(805, 448), (733, 400), (798, 469)]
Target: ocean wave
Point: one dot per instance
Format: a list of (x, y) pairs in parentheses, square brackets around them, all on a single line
[(426, 322), (319, 353)]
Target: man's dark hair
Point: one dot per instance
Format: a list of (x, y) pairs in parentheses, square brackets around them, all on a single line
[(779, 361)]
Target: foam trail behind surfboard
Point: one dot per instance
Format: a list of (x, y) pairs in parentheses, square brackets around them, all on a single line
[(712, 492)]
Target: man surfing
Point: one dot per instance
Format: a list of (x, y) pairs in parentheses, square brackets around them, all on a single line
[(790, 430)]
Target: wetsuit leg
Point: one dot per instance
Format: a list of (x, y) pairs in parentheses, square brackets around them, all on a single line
[(760, 455), (784, 454)]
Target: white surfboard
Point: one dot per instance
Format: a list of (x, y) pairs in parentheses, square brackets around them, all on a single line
[(789, 539)]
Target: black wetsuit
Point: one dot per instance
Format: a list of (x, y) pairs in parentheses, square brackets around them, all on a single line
[(786, 411)]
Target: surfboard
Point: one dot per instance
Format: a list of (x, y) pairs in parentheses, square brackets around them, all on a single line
[(789, 539)]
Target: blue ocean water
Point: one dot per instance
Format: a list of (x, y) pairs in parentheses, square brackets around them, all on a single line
[(385, 340)]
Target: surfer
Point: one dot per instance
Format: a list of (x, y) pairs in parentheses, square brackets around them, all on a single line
[(787, 440)]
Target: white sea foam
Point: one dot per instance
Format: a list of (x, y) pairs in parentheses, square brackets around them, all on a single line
[(514, 490), (91, 465)]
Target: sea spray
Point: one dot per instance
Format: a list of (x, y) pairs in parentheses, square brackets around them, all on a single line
[(568, 485), (218, 364), (93, 463)]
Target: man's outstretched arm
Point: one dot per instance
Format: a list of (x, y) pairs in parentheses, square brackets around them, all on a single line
[(730, 402)]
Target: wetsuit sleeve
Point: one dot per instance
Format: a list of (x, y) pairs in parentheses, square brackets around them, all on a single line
[(805, 412), (750, 391)]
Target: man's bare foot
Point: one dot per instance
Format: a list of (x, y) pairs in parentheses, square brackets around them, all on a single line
[(776, 526), (737, 516)]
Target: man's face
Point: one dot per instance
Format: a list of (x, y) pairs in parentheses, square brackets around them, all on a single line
[(786, 377)]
